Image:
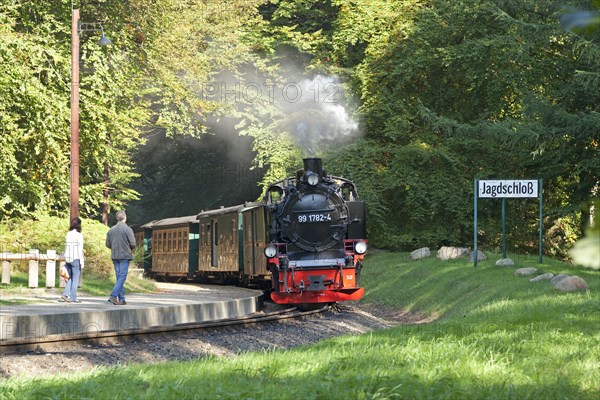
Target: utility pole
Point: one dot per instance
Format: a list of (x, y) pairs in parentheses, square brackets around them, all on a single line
[(74, 198)]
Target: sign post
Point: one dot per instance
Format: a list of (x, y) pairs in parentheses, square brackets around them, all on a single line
[(503, 189), (541, 224)]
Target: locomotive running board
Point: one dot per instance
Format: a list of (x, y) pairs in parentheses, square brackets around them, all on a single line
[(327, 296)]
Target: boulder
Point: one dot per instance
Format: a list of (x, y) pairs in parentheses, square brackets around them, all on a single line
[(451, 253), (480, 256), (571, 284), (558, 278), (525, 271), (543, 277), (505, 262), (420, 253)]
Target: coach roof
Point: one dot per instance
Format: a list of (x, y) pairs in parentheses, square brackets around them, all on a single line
[(190, 219), (220, 211)]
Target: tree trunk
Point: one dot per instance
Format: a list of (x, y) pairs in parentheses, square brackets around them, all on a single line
[(105, 194)]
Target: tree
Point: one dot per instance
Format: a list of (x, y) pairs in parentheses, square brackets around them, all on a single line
[(493, 88)]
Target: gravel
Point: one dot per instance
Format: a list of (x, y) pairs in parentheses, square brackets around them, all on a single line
[(188, 345)]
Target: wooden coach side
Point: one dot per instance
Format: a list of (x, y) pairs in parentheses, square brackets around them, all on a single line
[(175, 246)]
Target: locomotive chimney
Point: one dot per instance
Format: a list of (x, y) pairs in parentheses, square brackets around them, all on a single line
[(314, 165)]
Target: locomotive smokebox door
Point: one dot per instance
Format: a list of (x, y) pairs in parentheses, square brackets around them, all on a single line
[(314, 220), (357, 217)]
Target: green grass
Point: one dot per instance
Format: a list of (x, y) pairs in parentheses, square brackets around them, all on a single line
[(496, 336), (92, 286), (455, 288)]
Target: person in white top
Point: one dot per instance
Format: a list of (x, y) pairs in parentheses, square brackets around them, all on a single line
[(74, 259)]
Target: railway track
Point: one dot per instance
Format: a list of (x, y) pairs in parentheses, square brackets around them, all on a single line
[(38, 343)]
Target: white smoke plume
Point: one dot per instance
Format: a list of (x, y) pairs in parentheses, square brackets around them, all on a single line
[(316, 114), (314, 111)]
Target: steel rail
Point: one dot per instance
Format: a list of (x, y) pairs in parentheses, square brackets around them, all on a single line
[(27, 343)]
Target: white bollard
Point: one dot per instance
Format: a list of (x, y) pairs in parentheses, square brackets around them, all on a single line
[(50, 268), (6, 272), (33, 268)]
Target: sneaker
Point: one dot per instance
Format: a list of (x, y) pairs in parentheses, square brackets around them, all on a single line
[(114, 300), (65, 298), (75, 301), (123, 303)]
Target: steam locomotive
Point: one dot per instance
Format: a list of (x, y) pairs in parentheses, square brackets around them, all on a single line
[(304, 243)]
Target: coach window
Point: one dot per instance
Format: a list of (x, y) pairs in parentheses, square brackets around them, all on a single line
[(186, 237), (214, 249), (248, 224), (180, 241), (216, 234)]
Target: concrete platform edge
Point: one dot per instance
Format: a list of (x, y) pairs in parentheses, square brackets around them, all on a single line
[(122, 318)]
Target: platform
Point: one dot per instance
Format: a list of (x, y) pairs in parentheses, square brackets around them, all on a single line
[(49, 316)]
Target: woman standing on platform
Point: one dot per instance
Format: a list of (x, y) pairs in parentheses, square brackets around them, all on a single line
[(74, 260)]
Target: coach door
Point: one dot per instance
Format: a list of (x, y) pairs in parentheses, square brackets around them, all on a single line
[(206, 248), (254, 241), (193, 248), (147, 250)]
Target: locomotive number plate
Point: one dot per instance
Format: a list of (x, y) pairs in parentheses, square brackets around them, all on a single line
[(320, 217)]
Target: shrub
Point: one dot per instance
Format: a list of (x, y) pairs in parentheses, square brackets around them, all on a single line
[(48, 233)]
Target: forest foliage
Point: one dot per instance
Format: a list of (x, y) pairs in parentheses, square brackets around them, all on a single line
[(442, 92)]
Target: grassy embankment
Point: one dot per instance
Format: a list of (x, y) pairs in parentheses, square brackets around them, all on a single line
[(495, 336), (48, 233)]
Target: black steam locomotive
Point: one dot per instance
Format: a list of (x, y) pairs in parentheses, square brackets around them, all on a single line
[(304, 242)]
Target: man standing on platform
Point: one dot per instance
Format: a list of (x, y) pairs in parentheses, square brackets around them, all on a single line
[(121, 241)]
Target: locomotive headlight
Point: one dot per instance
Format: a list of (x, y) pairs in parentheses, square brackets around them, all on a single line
[(360, 247), (312, 179), (270, 251)]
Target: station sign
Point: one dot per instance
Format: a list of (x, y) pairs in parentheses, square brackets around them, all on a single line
[(508, 188)]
